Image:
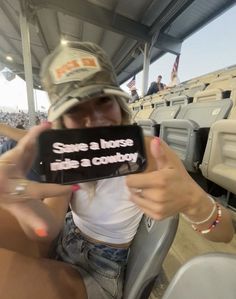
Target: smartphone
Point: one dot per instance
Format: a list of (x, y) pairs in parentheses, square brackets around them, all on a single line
[(71, 156)]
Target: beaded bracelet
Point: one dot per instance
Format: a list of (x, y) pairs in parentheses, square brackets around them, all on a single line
[(213, 225), (205, 220)]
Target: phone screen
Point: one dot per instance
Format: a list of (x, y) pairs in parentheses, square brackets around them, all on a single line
[(71, 156)]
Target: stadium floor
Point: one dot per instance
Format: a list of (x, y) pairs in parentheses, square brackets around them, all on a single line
[(186, 245)]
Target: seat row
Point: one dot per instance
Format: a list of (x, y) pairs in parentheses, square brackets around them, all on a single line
[(194, 91), (201, 130)]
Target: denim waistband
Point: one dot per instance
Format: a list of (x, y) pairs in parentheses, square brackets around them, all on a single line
[(107, 251)]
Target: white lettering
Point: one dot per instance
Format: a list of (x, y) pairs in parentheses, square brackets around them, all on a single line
[(62, 165), (94, 146), (58, 147), (85, 163), (116, 143), (61, 148), (96, 161), (118, 157)]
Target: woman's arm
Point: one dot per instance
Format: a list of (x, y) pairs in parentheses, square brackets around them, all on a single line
[(40, 220), (168, 189), (23, 198), (10, 132)]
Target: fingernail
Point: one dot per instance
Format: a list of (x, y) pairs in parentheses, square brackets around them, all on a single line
[(75, 188), (157, 140), (41, 232)]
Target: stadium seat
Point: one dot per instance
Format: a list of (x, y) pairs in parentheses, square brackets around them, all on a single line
[(179, 100), (138, 106), (232, 114), (187, 135), (146, 111), (208, 95), (190, 90), (223, 86), (171, 95), (148, 251), (174, 92), (229, 71), (208, 78), (161, 112), (205, 277), (157, 97), (190, 82), (162, 93), (151, 126), (224, 82), (219, 160)]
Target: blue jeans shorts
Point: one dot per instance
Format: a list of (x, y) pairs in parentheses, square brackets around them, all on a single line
[(102, 267)]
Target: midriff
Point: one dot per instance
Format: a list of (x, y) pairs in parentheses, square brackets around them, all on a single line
[(123, 245)]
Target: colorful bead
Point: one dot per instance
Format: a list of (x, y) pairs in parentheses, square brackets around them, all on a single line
[(214, 223)]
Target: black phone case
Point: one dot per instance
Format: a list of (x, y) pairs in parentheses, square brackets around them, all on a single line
[(80, 155)]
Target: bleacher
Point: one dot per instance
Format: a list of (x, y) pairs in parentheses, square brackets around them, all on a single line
[(197, 118), (18, 118)]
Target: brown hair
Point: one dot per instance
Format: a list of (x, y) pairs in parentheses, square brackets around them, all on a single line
[(125, 113)]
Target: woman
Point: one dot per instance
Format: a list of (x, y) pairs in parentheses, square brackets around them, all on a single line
[(97, 233)]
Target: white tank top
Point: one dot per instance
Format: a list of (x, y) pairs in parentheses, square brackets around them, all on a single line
[(109, 215)]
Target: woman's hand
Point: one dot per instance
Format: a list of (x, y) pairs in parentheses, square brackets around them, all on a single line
[(15, 164), (167, 190), (22, 197), (170, 190)]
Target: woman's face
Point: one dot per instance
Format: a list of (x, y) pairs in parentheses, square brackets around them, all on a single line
[(98, 112)]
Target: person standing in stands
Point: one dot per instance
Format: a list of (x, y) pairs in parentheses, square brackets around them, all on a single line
[(156, 86)]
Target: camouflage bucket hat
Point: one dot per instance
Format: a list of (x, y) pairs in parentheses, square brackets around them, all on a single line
[(77, 72)]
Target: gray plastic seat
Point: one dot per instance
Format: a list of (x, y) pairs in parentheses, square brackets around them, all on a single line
[(187, 135), (219, 160), (179, 100), (151, 126), (191, 90), (148, 251), (147, 124), (210, 276), (161, 112)]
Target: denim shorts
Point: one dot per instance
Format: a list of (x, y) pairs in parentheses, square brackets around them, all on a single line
[(101, 266)]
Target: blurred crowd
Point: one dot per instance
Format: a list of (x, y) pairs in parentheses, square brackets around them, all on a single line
[(20, 118)]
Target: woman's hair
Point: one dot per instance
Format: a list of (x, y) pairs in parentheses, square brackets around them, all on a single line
[(125, 114)]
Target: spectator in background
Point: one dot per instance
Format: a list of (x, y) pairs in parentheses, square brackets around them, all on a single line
[(156, 86), (134, 95), (13, 118)]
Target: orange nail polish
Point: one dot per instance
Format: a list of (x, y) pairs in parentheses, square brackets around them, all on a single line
[(157, 140), (75, 188), (41, 232)]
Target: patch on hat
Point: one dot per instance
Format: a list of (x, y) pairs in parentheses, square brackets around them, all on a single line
[(73, 65)]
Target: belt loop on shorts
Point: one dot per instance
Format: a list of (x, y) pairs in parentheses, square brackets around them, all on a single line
[(82, 246), (128, 253)]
